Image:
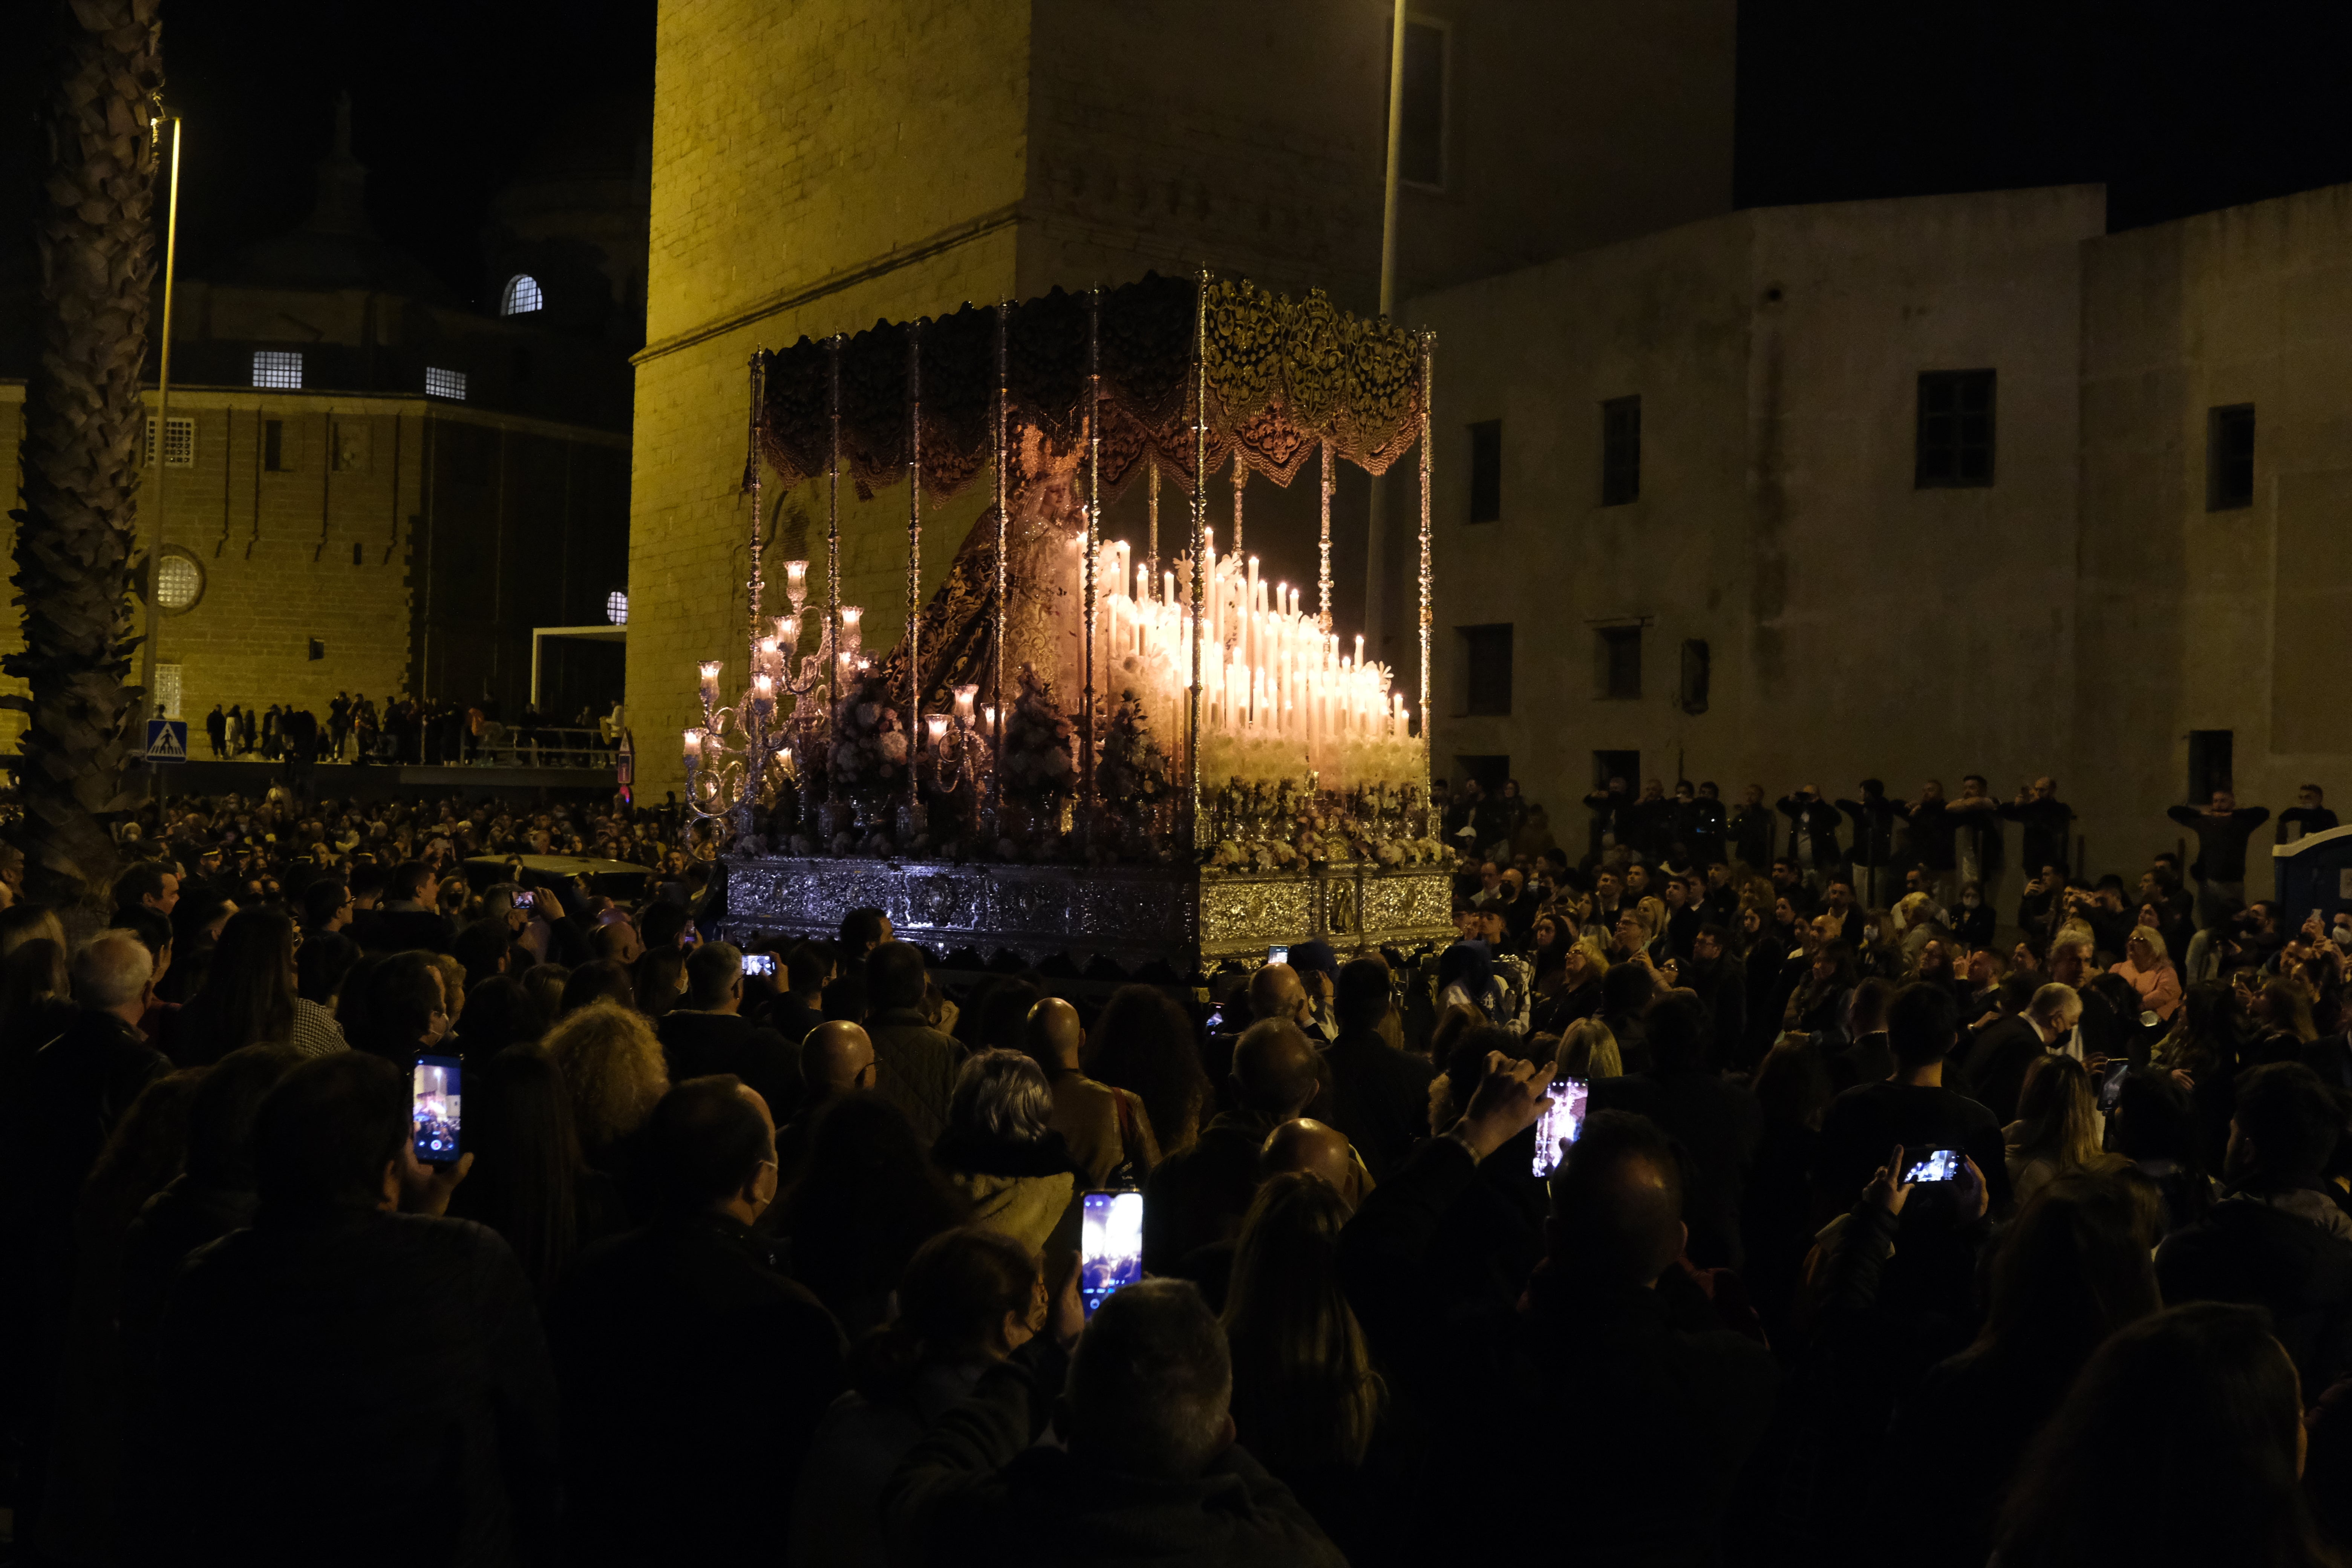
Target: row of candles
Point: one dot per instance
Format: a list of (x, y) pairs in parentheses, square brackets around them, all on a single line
[(1269, 670)]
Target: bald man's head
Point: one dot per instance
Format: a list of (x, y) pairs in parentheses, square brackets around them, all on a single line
[(1275, 992), (1052, 1036), (1617, 1200), (836, 1058), (1318, 1149), (1275, 1068)]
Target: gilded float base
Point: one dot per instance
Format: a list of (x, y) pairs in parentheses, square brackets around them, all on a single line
[(1130, 915)]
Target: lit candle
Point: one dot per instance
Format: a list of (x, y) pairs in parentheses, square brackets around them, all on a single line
[(693, 747), (963, 696), (788, 632), (988, 718), (851, 615), (763, 688), (937, 723), (710, 678), (796, 582)]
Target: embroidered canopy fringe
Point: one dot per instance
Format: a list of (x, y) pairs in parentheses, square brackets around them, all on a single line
[(1284, 376)]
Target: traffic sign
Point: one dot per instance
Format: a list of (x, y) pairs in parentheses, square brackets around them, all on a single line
[(167, 740)]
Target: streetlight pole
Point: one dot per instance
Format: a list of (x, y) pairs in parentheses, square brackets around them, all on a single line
[(157, 448)]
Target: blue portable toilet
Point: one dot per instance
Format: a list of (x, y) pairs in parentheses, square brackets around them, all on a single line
[(2315, 872)]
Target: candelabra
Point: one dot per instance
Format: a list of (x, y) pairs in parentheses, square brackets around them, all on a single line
[(961, 753), (729, 754)]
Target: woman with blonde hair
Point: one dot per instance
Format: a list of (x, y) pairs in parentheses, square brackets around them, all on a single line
[(2149, 970), (2058, 1130), (1576, 991), (1590, 1051), (612, 1063)]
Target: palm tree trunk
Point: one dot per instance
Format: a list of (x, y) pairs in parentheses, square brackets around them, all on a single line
[(83, 445)]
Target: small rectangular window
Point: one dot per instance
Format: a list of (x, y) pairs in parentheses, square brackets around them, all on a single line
[(1421, 138), (179, 443), (1486, 660), (275, 457), (168, 688), (1617, 663), (449, 383), (277, 368), (1621, 451), (1487, 471), (2230, 458), (1698, 672), (1956, 428)]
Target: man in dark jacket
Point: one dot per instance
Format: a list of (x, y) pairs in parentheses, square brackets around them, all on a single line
[(1150, 1471), (2277, 1240), (1994, 1073), (1913, 1107), (694, 1374), (409, 918), (707, 1033), (1718, 1124), (1378, 1095), (2222, 828), (1199, 1196), (915, 1065), (2046, 826), (1613, 1395), (77, 1086), (345, 1379)]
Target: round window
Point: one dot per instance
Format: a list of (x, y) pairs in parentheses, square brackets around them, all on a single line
[(179, 583)]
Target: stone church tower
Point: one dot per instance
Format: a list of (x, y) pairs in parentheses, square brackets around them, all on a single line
[(819, 164)]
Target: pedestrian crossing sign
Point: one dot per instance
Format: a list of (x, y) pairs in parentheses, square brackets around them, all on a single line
[(167, 740)]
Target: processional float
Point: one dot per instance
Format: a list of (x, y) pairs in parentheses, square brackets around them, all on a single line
[(1078, 747)]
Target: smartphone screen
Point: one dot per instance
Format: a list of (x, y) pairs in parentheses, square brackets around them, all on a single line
[(525, 898), (1936, 1165), (2111, 1085), (1277, 955), (1559, 1123), (1110, 1245), (433, 1107), (759, 964)]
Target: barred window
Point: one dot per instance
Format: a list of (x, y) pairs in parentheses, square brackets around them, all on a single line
[(179, 443), (277, 368), (449, 383), (522, 296)]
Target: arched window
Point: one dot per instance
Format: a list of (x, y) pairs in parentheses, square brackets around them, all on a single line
[(522, 296)]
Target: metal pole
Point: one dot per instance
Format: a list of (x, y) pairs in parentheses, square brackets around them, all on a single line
[(1200, 559), (832, 649), (1152, 516), (914, 719), (752, 477), (1092, 545), (162, 436), (1428, 354), (1003, 503), (1323, 559), (1396, 151)]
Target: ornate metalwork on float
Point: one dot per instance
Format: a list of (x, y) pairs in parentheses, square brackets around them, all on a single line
[(1240, 772)]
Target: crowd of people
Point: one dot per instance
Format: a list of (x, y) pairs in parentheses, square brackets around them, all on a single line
[(428, 731), (1888, 1229)]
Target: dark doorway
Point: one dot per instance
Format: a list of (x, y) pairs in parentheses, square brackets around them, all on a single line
[(2209, 764)]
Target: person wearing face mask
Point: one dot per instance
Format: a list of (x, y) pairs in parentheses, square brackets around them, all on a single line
[(691, 1367), (1972, 921)]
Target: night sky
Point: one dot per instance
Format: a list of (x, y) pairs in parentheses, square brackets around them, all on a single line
[(2178, 107)]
